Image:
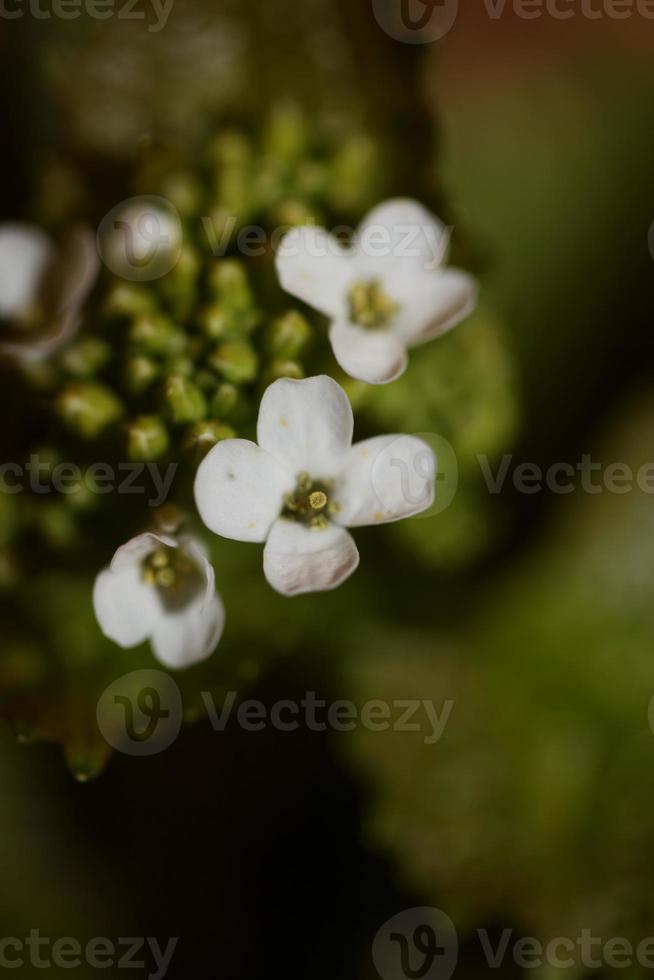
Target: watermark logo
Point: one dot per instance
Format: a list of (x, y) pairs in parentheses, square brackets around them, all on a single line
[(141, 239), (141, 713), (405, 471), (416, 21), (417, 944)]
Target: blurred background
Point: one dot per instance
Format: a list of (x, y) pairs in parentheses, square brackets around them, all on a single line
[(531, 613)]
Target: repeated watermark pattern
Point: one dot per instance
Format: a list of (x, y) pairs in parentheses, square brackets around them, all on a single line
[(44, 476), (141, 714), (141, 239), (155, 15), (426, 21), (99, 953), (422, 944)]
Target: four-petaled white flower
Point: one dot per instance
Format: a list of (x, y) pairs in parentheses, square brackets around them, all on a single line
[(387, 293), (304, 483), (161, 588), (42, 288)]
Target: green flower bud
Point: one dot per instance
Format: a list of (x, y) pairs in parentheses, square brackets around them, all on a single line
[(86, 357), (183, 400), (233, 191), (206, 380), (225, 400), (129, 299), (214, 321), (282, 369), (156, 334), (230, 148), (180, 286), (203, 436), (184, 191), (288, 335), (140, 372), (147, 439), (228, 282), (355, 174), (293, 212), (88, 408), (180, 365), (311, 179), (286, 133), (236, 361)]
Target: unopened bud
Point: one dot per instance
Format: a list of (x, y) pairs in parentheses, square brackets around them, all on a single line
[(282, 369), (147, 439), (88, 408), (286, 133), (140, 372), (203, 436), (156, 334), (225, 400), (236, 361), (183, 400), (287, 335), (129, 299), (86, 357)]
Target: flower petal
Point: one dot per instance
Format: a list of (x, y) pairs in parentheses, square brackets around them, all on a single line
[(24, 255), (400, 239), (239, 490), (189, 635), (306, 425), (314, 267), (125, 607), (375, 356), (299, 559), (438, 302), (385, 479)]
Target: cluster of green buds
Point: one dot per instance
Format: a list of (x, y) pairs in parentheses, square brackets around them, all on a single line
[(163, 369)]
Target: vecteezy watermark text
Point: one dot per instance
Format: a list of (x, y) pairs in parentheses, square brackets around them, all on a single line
[(157, 12), (100, 953), (423, 942), (426, 21), (316, 715), (141, 714), (43, 476)]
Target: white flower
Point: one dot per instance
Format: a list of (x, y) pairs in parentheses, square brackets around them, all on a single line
[(305, 482), (161, 588), (387, 293), (42, 287)]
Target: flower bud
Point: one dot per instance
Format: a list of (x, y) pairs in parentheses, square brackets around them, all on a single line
[(180, 286), (214, 321), (230, 148), (140, 372), (88, 408), (287, 335), (225, 400), (184, 402), (86, 357), (355, 175), (282, 369), (129, 299), (184, 191), (155, 334), (203, 436), (147, 439), (235, 360), (286, 132), (229, 283)]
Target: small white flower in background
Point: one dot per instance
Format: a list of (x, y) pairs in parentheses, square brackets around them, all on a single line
[(161, 588), (305, 482), (387, 293), (43, 286)]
